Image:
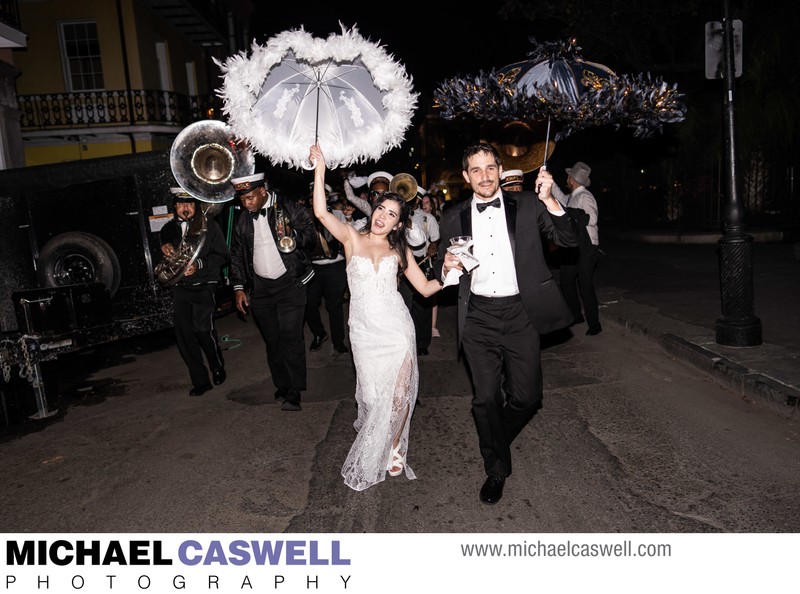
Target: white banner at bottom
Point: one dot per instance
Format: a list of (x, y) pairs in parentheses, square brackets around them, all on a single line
[(402, 563)]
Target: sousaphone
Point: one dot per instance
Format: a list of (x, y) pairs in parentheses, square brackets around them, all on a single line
[(204, 157)]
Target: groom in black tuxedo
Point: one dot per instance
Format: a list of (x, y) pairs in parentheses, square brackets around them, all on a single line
[(505, 303)]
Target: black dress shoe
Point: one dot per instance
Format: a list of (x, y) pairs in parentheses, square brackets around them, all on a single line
[(201, 389), (291, 402), (422, 352), (316, 344), (492, 490), (340, 348), (280, 395), (594, 330), (219, 376)]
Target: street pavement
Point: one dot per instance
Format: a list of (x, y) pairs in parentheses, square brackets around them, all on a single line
[(647, 427), (671, 292)]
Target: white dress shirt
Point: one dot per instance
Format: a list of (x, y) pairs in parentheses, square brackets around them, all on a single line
[(424, 230), (267, 262), (496, 275)]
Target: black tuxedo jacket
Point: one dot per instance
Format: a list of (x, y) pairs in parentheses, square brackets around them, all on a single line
[(297, 262), (528, 222)]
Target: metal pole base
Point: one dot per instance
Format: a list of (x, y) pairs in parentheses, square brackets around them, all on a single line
[(738, 333), (738, 325)]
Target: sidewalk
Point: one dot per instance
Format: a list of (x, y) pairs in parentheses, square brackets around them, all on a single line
[(671, 293)]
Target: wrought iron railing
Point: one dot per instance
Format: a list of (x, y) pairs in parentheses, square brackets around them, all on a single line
[(95, 109)]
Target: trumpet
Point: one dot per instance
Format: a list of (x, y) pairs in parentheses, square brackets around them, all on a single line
[(283, 228)]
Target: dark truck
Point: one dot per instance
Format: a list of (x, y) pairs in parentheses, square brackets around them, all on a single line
[(78, 246)]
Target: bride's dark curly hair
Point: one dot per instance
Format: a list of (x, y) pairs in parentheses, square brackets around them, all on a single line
[(396, 237)]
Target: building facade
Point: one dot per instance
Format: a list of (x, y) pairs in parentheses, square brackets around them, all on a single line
[(98, 79)]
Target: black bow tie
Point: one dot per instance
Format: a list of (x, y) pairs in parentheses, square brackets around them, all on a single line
[(484, 205), (262, 212)]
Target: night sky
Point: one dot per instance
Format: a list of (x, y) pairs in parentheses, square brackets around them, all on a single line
[(434, 40), (433, 43)]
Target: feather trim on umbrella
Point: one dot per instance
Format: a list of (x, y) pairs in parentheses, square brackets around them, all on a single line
[(642, 103), (358, 137)]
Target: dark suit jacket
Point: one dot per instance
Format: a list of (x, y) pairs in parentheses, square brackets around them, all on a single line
[(528, 221), (573, 256)]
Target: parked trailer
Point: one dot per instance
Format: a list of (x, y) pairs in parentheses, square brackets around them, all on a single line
[(79, 243)]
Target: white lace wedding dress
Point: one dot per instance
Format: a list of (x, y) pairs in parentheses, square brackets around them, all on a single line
[(383, 343)]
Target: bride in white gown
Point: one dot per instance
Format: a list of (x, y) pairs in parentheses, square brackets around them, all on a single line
[(381, 333)]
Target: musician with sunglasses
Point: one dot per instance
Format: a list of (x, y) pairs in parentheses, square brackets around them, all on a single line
[(378, 184)]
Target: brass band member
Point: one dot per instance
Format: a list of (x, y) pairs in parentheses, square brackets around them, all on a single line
[(270, 267), (195, 294)]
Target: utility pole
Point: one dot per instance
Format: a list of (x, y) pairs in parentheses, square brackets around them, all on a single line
[(738, 325)]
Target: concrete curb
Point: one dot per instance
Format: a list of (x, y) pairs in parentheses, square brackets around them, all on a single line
[(751, 385)]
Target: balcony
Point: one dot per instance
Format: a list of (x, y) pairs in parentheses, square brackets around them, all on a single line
[(202, 21), (10, 34), (99, 109)]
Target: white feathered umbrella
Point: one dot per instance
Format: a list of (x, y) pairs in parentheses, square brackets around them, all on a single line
[(345, 92)]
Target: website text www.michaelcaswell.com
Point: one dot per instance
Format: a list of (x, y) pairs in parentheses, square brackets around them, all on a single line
[(539, 548)]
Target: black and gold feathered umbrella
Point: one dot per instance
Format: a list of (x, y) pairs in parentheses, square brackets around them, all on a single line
[(557, 84)]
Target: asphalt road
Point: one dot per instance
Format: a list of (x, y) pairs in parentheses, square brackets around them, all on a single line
[(630, 440)]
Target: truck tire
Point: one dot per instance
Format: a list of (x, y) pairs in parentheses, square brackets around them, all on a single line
[(75, 258)]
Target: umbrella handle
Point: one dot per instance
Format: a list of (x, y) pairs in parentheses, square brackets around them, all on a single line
[(311, 164), (546, 147), (546, 144)]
